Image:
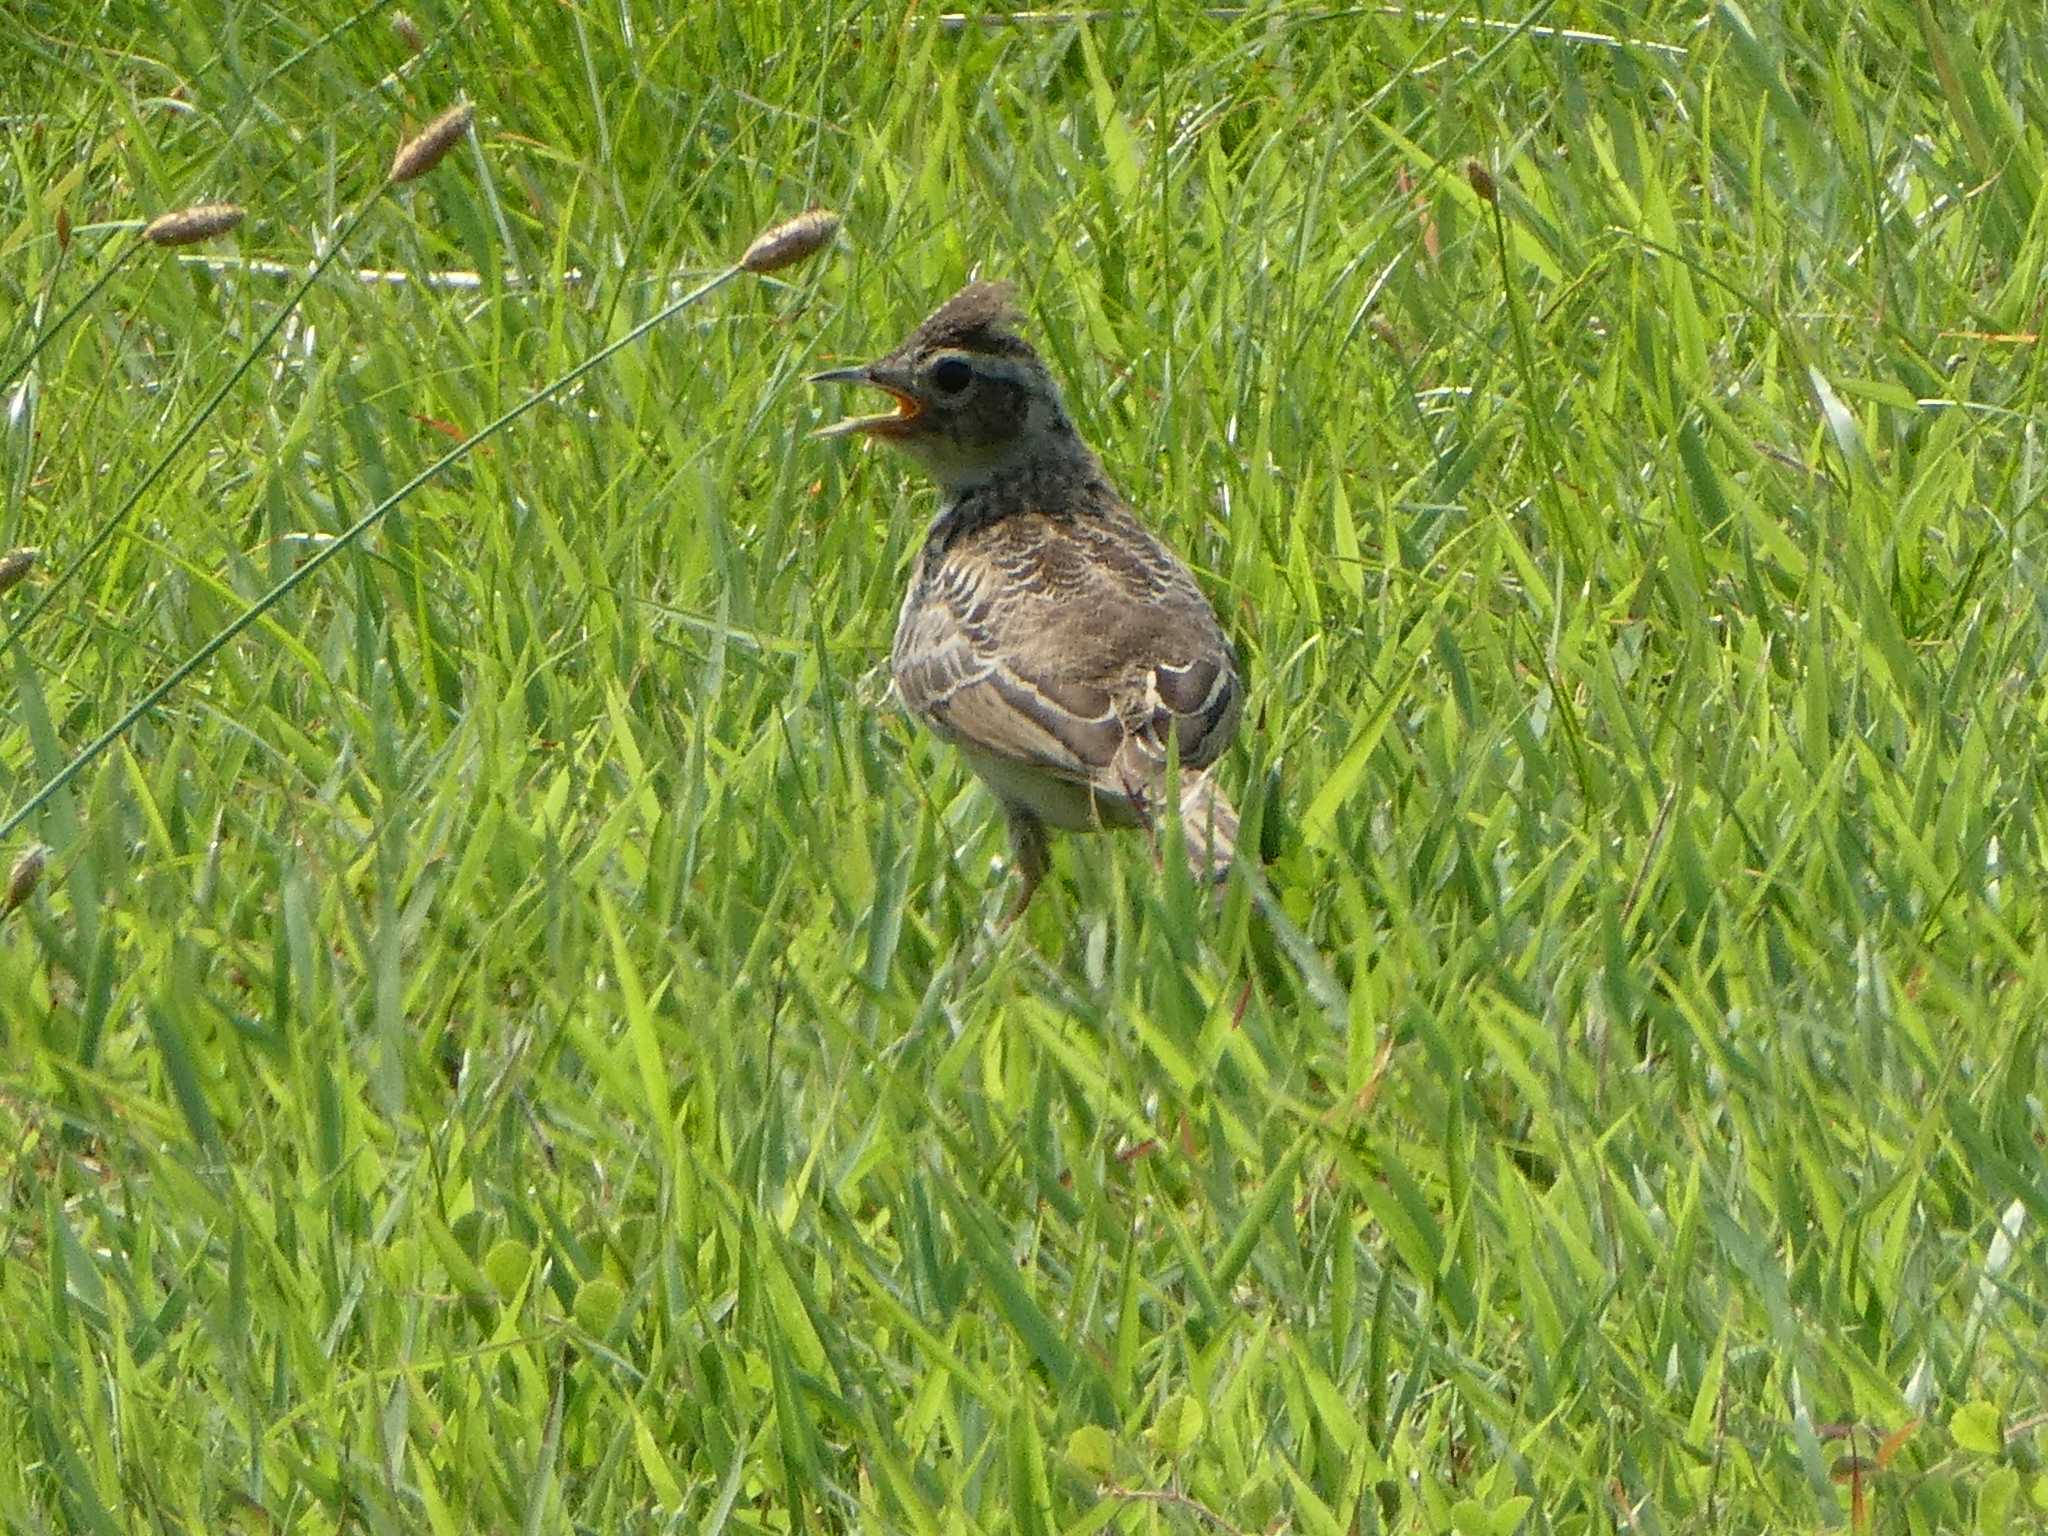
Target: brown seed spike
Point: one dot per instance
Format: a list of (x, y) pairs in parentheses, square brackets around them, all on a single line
[(425, 149), (791, 241), (408, 31), (189, 226), (1482, 181), (15, 566), (21, 880)]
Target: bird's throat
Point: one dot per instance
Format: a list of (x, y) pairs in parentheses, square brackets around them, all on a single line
[(1008, 473)]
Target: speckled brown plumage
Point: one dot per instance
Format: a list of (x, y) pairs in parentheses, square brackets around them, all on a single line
[(1046, 632)]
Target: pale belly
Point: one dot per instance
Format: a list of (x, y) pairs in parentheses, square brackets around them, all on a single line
[(1055, 801)]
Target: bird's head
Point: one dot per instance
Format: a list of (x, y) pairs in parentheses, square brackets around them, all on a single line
[(972, 398)]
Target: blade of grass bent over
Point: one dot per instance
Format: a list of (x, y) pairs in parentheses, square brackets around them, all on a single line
[(111, 523), (761, 257)]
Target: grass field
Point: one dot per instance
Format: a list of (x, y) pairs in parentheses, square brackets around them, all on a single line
[(518, 1041)]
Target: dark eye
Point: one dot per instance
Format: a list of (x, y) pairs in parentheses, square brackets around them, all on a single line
[(950, 375)]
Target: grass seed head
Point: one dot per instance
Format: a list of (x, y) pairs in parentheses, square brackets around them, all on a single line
[(791, 241), (21, 880), (425, 149), (15, 566), (1482, 181), (408, 31), (189, 226)]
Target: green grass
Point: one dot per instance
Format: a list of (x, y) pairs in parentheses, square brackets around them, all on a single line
[(517, 1042)]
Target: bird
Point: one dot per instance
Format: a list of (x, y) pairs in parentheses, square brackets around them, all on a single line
[(1045, 632)]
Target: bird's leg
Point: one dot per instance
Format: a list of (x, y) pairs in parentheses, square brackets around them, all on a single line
[(1138, 798), (1032, 851)]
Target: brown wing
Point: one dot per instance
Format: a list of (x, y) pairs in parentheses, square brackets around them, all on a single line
[(1072, 645)]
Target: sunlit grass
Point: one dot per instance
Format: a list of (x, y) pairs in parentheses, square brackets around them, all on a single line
[(517, 1040)]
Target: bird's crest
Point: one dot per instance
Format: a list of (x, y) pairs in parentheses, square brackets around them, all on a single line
[(982, 317)]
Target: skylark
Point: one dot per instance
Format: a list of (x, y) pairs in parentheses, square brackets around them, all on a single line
[(1046, 632)]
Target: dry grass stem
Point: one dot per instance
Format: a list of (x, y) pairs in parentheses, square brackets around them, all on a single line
[(189, 226), (21, 880), (15, 566), (425, 149), (791, 241)]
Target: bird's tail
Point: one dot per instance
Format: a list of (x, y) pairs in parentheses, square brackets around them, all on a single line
[(1208, 825)]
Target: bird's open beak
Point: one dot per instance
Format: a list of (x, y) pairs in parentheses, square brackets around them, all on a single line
[(883, 424)]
